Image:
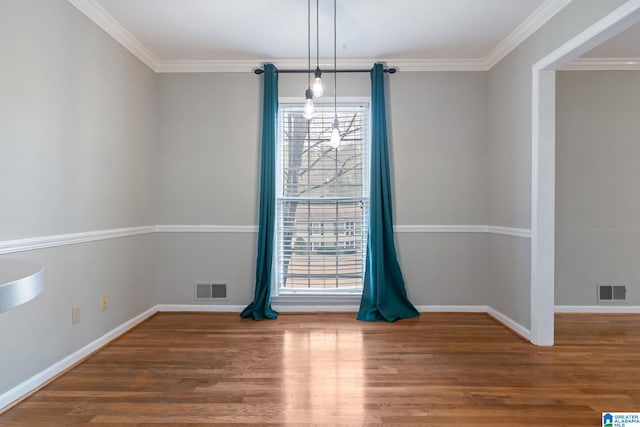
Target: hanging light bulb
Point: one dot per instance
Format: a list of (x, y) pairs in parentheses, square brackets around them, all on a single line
[(308, 104), (334, 142), (317, 81), (308, 94), (317, 84)]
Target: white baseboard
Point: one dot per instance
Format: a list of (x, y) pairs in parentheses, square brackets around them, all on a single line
[(502, 318), (353, 308), (308, 308), (509, 323), (282, 308), (203, 308), (27, 387), (602, 309), (346, 308), (452, 308)]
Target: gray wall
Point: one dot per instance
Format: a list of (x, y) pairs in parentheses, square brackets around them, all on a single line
[(438, 127), (208, 135), (509, 129), (77, 121), (77, 139), (597, 176), (78, 152)]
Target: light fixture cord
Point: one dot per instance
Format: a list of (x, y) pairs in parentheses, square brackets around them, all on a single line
[(335, 70), (317, 34), (309, 42)]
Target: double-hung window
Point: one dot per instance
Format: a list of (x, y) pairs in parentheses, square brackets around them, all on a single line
[(322, 200)]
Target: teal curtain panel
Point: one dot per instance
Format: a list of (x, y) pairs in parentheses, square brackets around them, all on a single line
[(384, 296), (260, 308)]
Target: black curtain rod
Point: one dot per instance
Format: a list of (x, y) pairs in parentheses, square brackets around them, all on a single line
[(386, 70)]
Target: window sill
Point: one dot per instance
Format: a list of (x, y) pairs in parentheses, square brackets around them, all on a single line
[(311, 300)]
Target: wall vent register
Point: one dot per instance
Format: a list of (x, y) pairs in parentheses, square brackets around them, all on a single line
[(211, 291), (612, 293)]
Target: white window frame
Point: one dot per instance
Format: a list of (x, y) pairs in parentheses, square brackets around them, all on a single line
[(309, 294)]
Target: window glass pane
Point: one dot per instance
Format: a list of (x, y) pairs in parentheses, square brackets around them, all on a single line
[(322, 199)]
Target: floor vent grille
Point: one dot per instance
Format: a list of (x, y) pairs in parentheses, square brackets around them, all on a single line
[(612, 293), (211, 291)]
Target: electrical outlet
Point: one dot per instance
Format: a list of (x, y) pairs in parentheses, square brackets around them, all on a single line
[(104, 302), (75, 314)]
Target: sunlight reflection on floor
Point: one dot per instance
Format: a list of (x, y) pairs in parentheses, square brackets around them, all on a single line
[(326, 375)]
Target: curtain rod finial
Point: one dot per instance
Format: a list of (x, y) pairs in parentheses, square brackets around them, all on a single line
[(258, 71)]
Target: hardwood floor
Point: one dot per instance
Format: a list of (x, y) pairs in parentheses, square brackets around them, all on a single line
[(438, 370)]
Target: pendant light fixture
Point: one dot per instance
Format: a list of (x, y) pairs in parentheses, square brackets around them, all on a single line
[(317, 81), (334, 142), (308, 94)]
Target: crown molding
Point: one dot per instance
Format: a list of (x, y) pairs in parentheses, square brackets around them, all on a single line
[(603, 64), (240, 66), (248, 65), (104, 20), (529, 26)]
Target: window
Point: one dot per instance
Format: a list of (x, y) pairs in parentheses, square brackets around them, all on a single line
[(322, 200)]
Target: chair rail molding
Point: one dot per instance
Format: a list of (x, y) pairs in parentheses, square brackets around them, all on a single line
[(51, 241)]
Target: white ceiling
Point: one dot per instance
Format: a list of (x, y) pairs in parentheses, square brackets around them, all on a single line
[(277, 29), (472, 34)]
